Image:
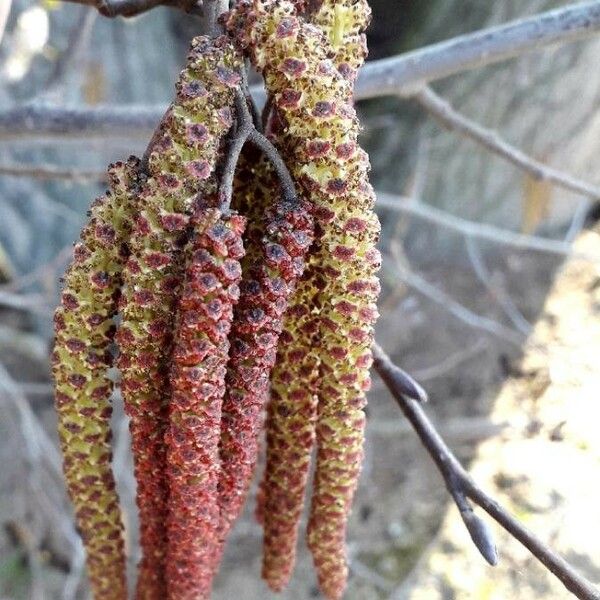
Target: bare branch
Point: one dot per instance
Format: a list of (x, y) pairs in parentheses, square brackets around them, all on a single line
[(443, 112), (458, 310), (406, 73), (247, 132), (462, 487), (52, 172), (4, 12), (71, 58), (40, 120), (130, 8), (238, 139), (478, 230), (500, 295)]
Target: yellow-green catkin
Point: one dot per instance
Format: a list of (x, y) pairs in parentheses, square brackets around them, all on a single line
[(84, 331), (181, 166), (313, 101), (343, 381)]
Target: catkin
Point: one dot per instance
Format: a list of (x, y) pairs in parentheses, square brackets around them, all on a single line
[(81, 358), (198, 369), (279, 241), (313, 100), (180, 165)]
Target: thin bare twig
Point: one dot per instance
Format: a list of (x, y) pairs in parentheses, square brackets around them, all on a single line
[(288, 189), (46, 120), (463, 488), (71, 57), (499, 294), (239, 138), (458, 310), (247, 132), (52, 173), (443, 112), (478, 230), (406, 73), (4, 12), (451, 362), (131, 8)]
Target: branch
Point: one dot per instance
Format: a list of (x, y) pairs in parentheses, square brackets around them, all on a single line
[(71, 57), (406, 73), (51, 172), (443, 112), (459, 311), (39, 120), (478, 230), (130, 8), (4, 12), (462, 488), (239, 138)]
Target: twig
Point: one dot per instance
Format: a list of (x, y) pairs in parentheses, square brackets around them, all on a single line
[(403, 381), (239, 138), (130, 8), (458, 310), (71, 57), (41, 120), (443, 112), (404, 74), (450, 362), (51, 172), (35, 303), (478, 230), (462, 487), (4, 12), (247, 132), (288, 190), (499, 294)]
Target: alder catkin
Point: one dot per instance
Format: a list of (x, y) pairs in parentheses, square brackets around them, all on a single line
[(183, 156), (313, 101), (84, 330), (279, 241), (200, 354)]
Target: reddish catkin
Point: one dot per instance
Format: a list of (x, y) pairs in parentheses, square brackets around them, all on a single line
[(180, 165), (198, 369), (84, 330), (313, 102), (270, 274)]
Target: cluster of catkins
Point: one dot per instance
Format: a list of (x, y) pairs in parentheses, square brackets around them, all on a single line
[(212, 311)]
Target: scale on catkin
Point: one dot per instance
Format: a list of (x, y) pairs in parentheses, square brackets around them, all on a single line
[(313, 100), (180, 165), (84, 330)]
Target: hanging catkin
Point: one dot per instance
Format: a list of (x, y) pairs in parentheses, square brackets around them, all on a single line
[(84, 331), (313, 101), (339, 434), (278, 240), (181, 163), (342, 22), (200, 355)]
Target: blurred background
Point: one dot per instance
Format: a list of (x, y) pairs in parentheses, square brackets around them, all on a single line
[(501, 329)]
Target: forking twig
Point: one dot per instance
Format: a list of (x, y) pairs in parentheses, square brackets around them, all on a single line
[(443, 112), (247, 132), (463, 488)]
